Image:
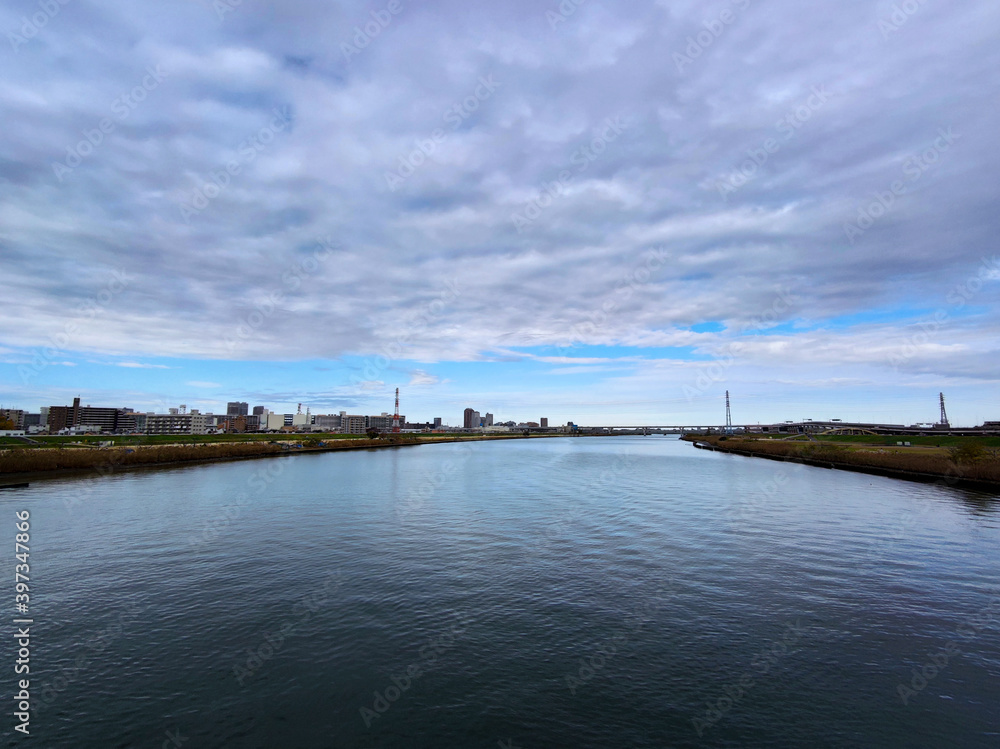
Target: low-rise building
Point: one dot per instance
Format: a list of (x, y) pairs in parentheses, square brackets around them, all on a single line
[(15, 415), (327, 422), (192, 423), (353, 424)]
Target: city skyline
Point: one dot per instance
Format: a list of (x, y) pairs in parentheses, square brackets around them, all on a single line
[(604, 214), (469, 415)]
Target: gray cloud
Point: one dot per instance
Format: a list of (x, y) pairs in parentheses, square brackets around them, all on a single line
[(348, 121)]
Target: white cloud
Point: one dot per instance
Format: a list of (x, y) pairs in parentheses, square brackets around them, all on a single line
[(420, 377)]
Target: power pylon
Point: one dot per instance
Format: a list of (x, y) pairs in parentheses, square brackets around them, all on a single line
[(944, 414), (729, 416), (395, 418)]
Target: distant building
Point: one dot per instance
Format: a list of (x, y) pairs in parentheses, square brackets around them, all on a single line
[(488, 420), (274, 422), (437, 422), (467, 418), (110, 420), (327, 423), (192, 423), (418, 427), (15, 415), (384, 422), (106, 420), (544, 422), (237, 408), (352, 424), (64, 417), (236, 424), (259, 410)]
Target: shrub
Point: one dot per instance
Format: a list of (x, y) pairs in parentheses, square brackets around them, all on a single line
[(968, 452)]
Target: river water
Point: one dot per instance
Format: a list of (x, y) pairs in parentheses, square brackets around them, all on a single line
[(574, 592)]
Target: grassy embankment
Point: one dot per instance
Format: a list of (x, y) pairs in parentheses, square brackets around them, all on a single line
[(68, 454), (969, 459)]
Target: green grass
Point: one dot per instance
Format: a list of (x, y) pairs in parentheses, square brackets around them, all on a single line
[(930, 440), (192, 439), (164, 439)]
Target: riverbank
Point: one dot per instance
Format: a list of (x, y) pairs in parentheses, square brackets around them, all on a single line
[(913, 463), (18, 465)]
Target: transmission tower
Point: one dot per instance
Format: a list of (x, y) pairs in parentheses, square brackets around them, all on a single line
[(729, 416), (395, 418), (944, 414)]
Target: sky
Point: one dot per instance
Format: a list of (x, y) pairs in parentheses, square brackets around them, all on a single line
[(605, 213)]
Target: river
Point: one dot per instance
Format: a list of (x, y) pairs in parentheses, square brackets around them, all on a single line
[(572, 592)]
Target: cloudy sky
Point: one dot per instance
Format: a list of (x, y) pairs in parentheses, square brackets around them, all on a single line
[(609, 213)]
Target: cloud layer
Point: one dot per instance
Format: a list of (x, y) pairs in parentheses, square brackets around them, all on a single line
[(469, 182)]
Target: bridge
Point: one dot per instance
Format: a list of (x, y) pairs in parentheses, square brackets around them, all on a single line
[(797, 427)]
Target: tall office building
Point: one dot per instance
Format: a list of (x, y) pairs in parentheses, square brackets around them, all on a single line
[(488, 420), (467, 418), (259, 410), (437, 422), (544, 422), (237, 408)]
